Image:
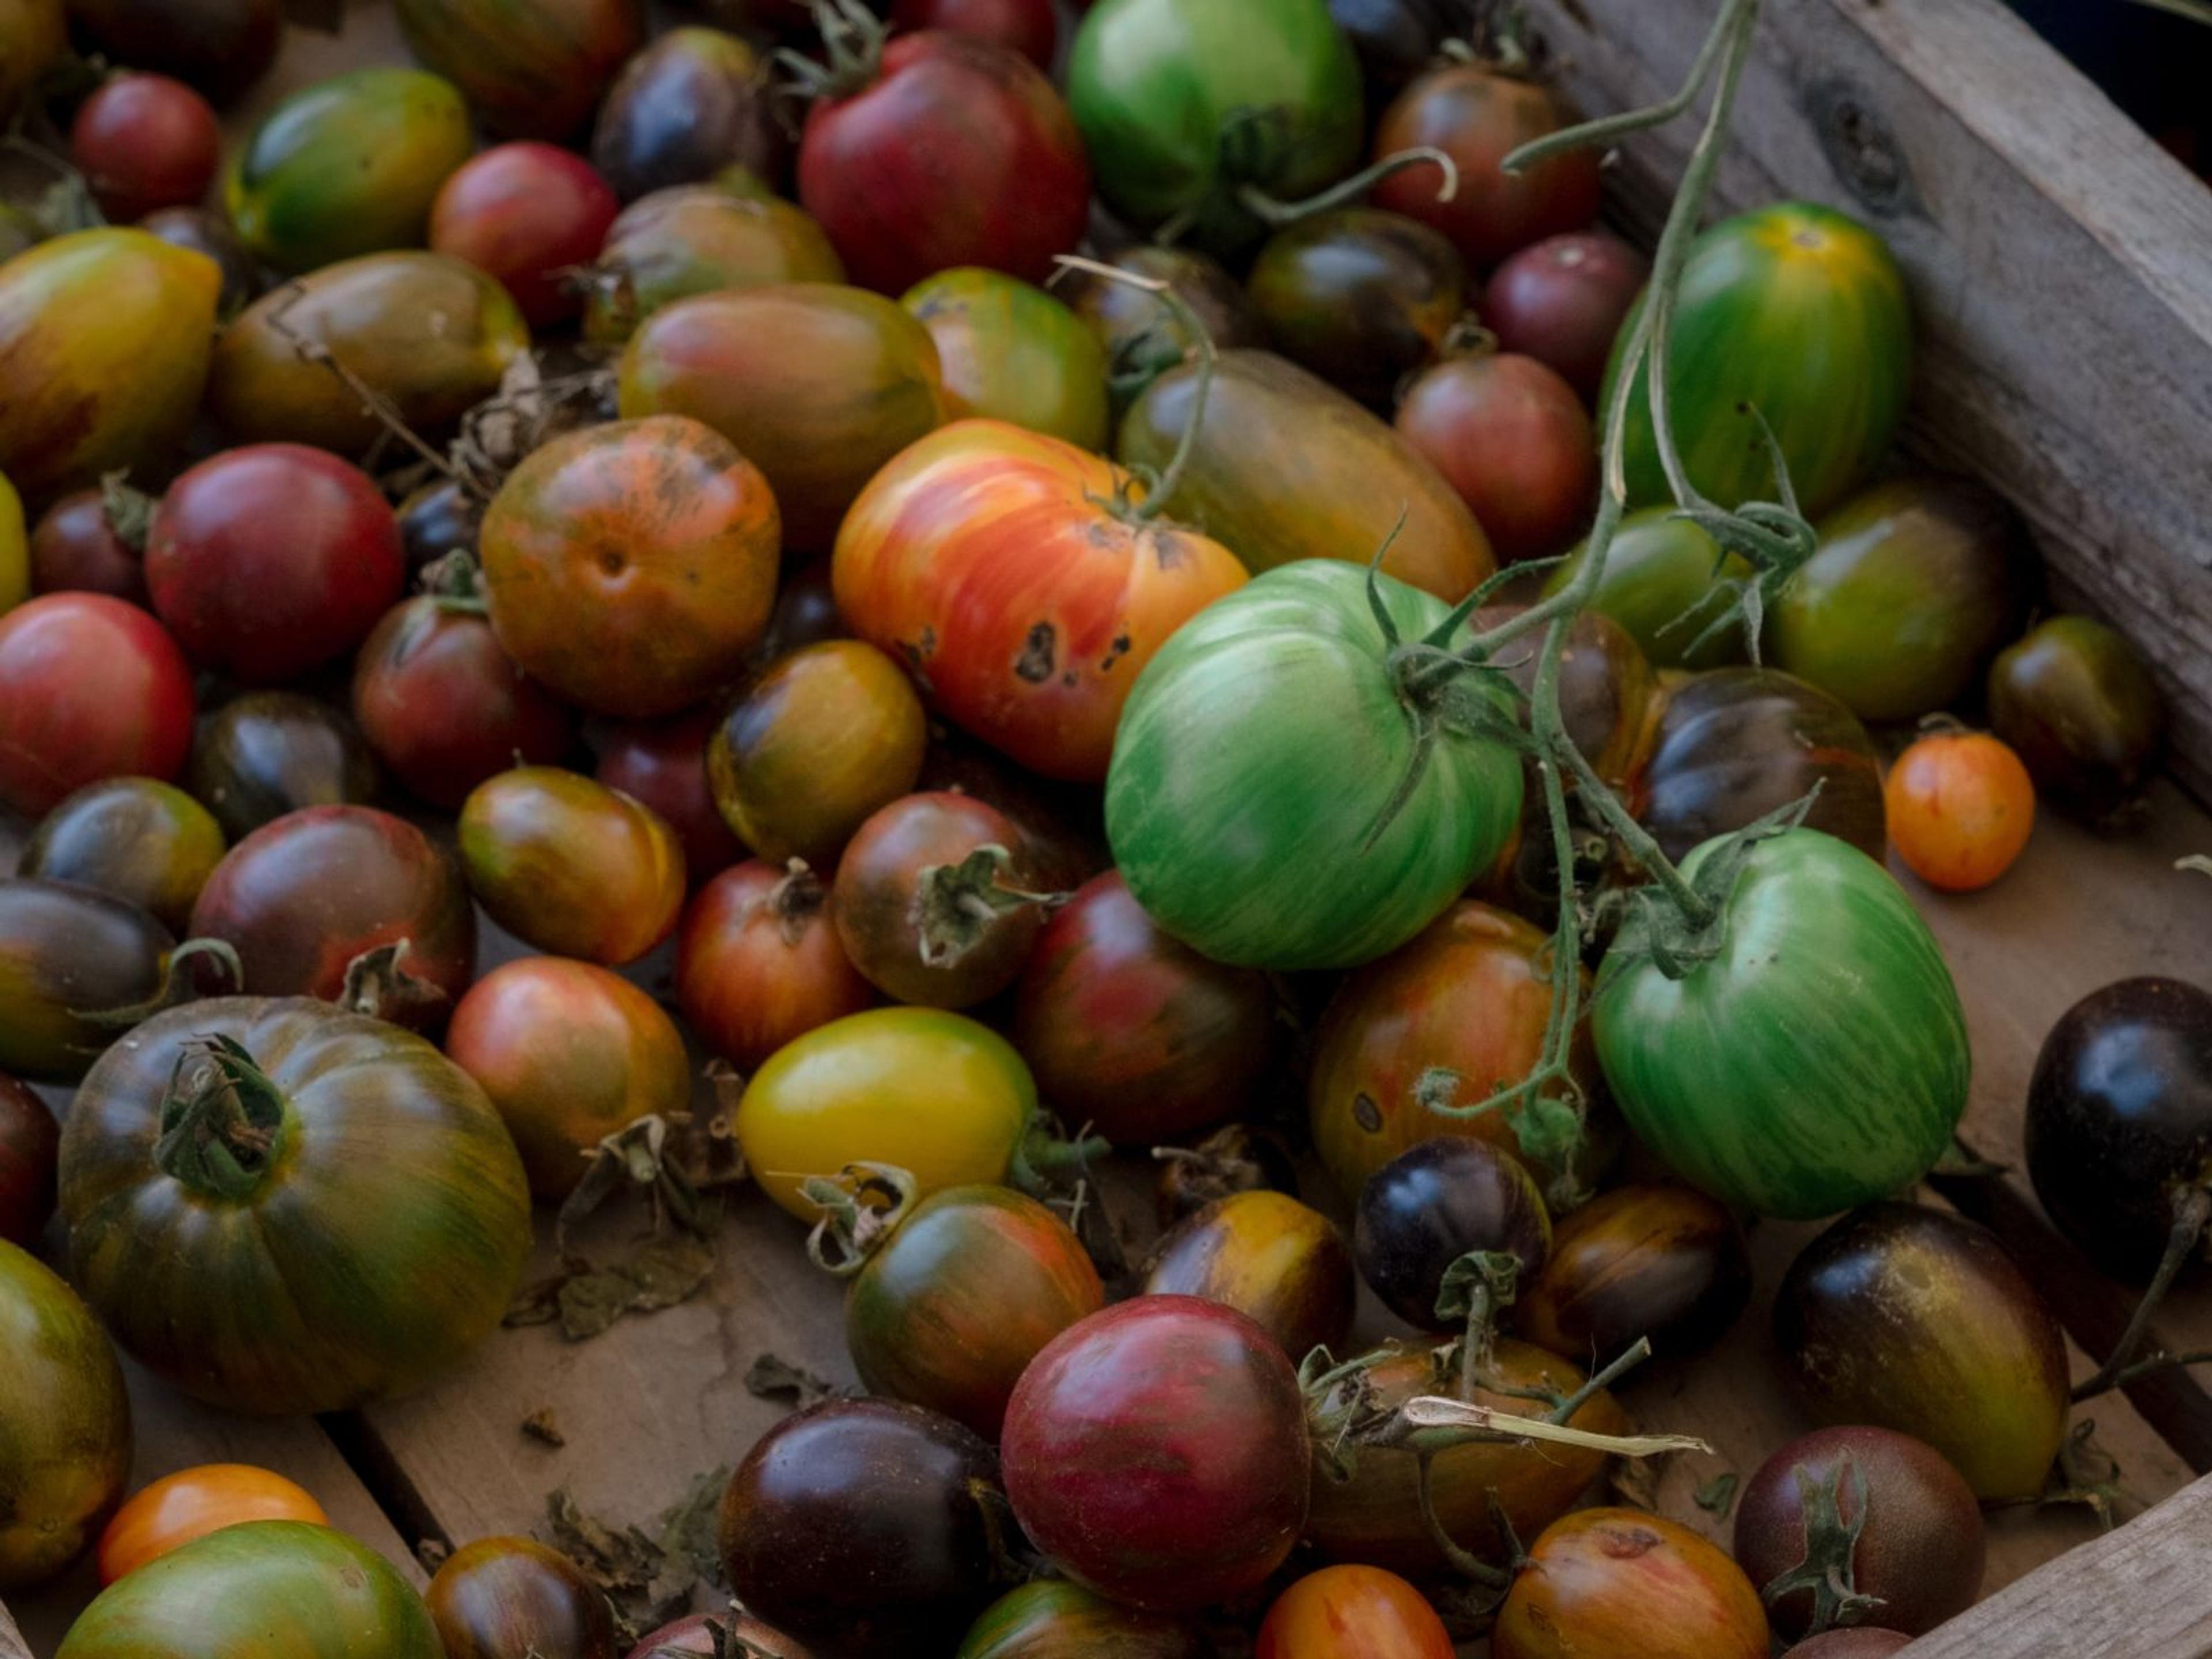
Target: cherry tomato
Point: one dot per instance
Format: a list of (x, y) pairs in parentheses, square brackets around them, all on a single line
[(90, 688), (694, 101), (1281, 1265), (76, 548), (1562, 301), (509, 1598), (2077, 704), (1029, 27), (1961, 807), (1630, 1586), (662, 764), (758, 962), (269, 753), (440, 518), (1663, 1262), (1512, 438), (144, 142), (149, 844), (1436, 1203), (190, 1503), (527, 213), (1352, 1612), (30, 1141)]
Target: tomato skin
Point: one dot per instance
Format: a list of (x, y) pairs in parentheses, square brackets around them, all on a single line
[(1281, 1265), (503, 1597), (1661, 583), (74, 548), (169, 1513), (269, 753), (1610, 697), (759, 964), (1432, 1205), (90, 688), (1662, 1262), (1053, 1619), (930, 1093), (1562, 301), (221, 46), (1631, 1585), (698, 239), (525, 213), (29, 1141), (144, 142), (1142, 338), (1352, 1612), (65, 952), (144, 842), (1961, 807), (1511, 436), (1829, 1009), (1011, 352), (693, 102), (530, 71), (2075, 702), (631, 567), (662, 764), (439, 518), (1029, 27), (1361, 297)]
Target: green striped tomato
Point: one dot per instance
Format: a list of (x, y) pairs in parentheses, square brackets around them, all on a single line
[(1818, 1062), (1260, 750), (1799, 311)]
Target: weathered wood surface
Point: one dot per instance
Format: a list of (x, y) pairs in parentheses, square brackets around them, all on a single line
[(11, 1639), (2061, 265)]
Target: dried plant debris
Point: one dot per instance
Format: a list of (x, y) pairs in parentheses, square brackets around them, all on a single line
[(771, 1377), (648, 1579), (1717, 1495), (541, 1426)]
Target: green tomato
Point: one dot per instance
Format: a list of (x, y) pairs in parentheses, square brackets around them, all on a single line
[(1659, 584), (1011, 352), (1054, 1619), (1817, 1061), (1800, 312), (1259, 754)]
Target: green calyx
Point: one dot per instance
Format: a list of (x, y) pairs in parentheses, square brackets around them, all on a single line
[(1676, 938), (853, 43), (956, 905), (861, 1205), (1831, 1542), (224, 1124)]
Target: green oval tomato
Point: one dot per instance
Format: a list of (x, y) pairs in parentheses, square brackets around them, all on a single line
[(1800, 312), (1054, 1619), (145, 843), (1183, 103), (2076, 702), (14, 549), (1659, 584), (271, 1590), (68, 956), (696, 238), (1252, 804), (532, 68), (347, 165), (1011, 352), (1817, 1060)]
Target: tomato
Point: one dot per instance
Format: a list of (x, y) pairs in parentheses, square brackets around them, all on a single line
[(29, 1141), (1185, 103), (1801, 313), (698, 239), (221, 46), (104, 348), (205, 232), (1286, 467), (569, 1053), (929, 1093), (2075, 702), (76, 548), (1011, 352), (1661, 583), (525, 214), (2119, 1119), (698, 1633), (1352, 1612), (1396, 39), (90, 688), (430, 335), (1631, 1586), (662, 765), (1051, 1618), (814, 748), (1257, 760), (1281, 1265), (282, 1588), (1828, 1008), (1156, 1452), (759, 964), (529, 71), (440, 518), (1665, 1262), (1911, 1319), (1737, 743), (14, 549), (146, 844), (864, 1528), (1061, 825), (32, 36), (171, 1512), (347, 165), (1511, 438), (937, 150), (1918, 1554), (1235, 1158), (68, 956), (1142, 336), (500, 1597), (1361, 297), (571, 867), (1030, 26), (1436, 1203), (269, 753), (1917, 584), (1562, 301), (1610, 698), (65, 1436), (819, 386), (1961, 808), (693, 102), (631, 567), (144, 142)]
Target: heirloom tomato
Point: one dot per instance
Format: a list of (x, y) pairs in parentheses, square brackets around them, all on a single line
[(1352, 1612), (510, 1598), (1028, 620), (269, 753), (1800, 313), (530, 71), (1630, 1586), (1144, 338), (1665, 1262), (65, 1433), (1281, 1265), (1960, 807), (1435, 1204), (279, 1588), (817, 385), (1511, 436), (1826, 1005), (527, 214), (1053, 1619), (1061, 823), (712, 1634), (78, 547), (759, 964), (1562, 300), (440, 518), (147, 844), (571, 866), (29, 1141), (144, 142), (631, 567), (1662, 582), (1361, 297), (221, 46), (932, 1093), (1610, 698), (205, 232), (694, 102), (1396, 39), (343, 1215), (169, 1513), (73, 963), (662, 764), (1011, 352), (1270, 803), (1032, 28), (90, 688), (2075, 702), (698, 239)]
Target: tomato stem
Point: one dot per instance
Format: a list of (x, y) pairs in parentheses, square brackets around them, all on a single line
[(2192, 1214), (1275, 214), (175, 987), (1193, 327), (223, 1123)]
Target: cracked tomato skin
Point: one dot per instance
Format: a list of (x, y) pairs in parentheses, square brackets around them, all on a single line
[(982, 559)]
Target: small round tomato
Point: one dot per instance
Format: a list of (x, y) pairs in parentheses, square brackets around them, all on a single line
[(1562, 301), (930, 1093), (1361, 297), (508, 1598), (144, 142), (1434, 1205), (693, 102), (78, 547), (1281, 1265), (527, 214), (569, 1053), (1032, 28), (221, 46), (1352, 1612), (269, 753), (1011, 352), (534, 71), (67, 955), (90, 688), (2077, 703), (759, 963), (1513, 439), (570, 865), (662, 764), (1961, 808), (29, 1141), (193, 1503), (1660, 1261), (149, 844), (698, 239), (1621, 1582)]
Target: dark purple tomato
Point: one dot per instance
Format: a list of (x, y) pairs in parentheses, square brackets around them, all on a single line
[(663, 764), (1361, 297), (1158, 1454), (204, 231), (1919, 1554), (510, 1598), (30, 1141), (147, 844), (1142, 338), (1663, 1262), (144, 142), (805, 613), (1396, 39), (269, 753), (221, 46), (527, 214), (440, 518), (321, 903), (1861, 1643), (271, 560), (718, 1633), (1133, 1032), (864, 1528), (1029, 27), (694, 101), (2119, 1119), (1264, 1254), (76, 548), (1511, 436), (1234, 1158), (1562, 301), (1427, 1208), (2075, 702), (90, 688)]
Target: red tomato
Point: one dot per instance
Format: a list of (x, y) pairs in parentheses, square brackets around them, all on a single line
[(1352, 1612), (1028, 26), (271, 560), (1960, 807), (525, 214), (76, 549), (954, 152), (171, 1512), (987, 559), (1562, 301), (90, 688), (144, 142), (663, 765), (1512, 438), (759, 963)]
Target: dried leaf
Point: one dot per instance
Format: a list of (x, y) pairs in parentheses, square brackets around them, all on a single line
[(541, 1426), (1635, 1482), (1717, 1495), (770, 1376)]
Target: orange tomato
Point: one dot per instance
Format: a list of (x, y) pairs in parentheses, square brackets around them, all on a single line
[(1352, 1612), (1630, 1586), (1960, 807), (193, 1502)]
